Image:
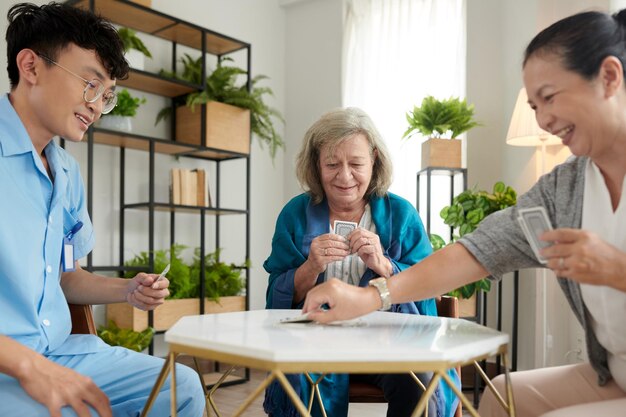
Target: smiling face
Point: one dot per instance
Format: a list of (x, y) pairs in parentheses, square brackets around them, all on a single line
[(57, 99), (585, 114), (346, 172)]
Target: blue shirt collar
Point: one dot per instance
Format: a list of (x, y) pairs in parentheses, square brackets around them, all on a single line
[(14, 139)]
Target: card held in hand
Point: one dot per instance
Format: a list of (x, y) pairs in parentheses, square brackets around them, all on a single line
[(343, 228), (535, 222)]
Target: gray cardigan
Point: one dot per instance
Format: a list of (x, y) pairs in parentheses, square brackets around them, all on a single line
[(500, 246)]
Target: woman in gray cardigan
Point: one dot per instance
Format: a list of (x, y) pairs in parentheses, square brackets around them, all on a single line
[(574, 73)]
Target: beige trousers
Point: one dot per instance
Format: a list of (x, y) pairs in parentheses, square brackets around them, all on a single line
[(561, 391)]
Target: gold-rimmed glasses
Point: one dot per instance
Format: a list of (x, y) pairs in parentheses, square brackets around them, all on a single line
[(94, 89)]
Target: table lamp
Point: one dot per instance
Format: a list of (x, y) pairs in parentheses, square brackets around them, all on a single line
[(524, 130)]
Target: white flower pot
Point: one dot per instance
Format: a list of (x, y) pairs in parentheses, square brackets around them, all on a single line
[(113, 122), (135, 59)]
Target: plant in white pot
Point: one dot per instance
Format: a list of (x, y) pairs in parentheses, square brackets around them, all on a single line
[(120, 118), (442, 121), (135, 51)]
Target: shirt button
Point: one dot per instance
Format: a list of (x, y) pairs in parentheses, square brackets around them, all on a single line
[(46, 322), (49, 219), (48, 269)]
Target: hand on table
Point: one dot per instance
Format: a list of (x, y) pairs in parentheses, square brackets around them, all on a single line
[(344, 301), (583, 256), (141, 293)]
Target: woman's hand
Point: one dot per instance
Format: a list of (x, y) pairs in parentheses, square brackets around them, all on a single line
[(345, 301), (367, 245), (583, 256), (146, 294), (326, 249)]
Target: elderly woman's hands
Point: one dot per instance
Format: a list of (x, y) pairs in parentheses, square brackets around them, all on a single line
[(584, 257), (367, 245), (327, 248)]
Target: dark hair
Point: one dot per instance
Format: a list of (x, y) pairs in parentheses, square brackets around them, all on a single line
[(583, 41), (50, 28)]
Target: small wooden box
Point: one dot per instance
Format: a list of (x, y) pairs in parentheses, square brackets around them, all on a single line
[(445, 153), (167, 314), (227, 127)]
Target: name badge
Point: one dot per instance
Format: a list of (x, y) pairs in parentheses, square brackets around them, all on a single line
[(67, 256)]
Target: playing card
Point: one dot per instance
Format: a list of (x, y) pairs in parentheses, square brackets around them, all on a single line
[(343, 228), (535, 222), (303, 318)]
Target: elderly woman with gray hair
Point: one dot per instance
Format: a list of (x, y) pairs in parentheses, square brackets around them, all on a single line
[(345, 169)]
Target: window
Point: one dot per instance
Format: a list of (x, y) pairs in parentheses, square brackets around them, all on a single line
[(395, 53)]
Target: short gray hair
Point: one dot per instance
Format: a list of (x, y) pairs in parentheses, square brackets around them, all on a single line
[(331, 130)]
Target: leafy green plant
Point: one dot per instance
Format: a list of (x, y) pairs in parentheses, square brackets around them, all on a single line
[(180, 284), (222, 86), (435, 118), (221, 279), (131, 41), (468, 209), (127, 105), (127, 338)]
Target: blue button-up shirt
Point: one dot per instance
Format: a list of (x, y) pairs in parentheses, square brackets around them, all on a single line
[(36, 212)]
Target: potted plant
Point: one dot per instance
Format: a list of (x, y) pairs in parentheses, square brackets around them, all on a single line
[(221, 279), (468, 209), (128, 338), (231, 110), (184, 289), (135, 51), (438, 119), (120, 118)]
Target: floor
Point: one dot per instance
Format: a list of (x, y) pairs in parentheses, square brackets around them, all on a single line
[(228, 399)]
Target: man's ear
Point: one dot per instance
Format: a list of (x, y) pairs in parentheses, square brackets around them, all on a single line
[(611, 75), (28, 64)]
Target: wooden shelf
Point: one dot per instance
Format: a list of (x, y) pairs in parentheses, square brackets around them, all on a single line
[(167, 207), (129, 140), (155, 84), (150, 21)]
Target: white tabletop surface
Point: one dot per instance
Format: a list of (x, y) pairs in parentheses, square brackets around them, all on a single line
[(379, 336)]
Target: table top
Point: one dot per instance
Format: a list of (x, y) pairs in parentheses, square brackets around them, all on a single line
[(380, 336)]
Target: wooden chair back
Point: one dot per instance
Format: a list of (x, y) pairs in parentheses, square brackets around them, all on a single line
[(82, 319)]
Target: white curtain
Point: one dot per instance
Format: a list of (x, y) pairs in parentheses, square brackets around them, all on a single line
[(395, 53)]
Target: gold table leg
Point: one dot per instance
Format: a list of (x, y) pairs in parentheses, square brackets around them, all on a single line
[(169, 363)]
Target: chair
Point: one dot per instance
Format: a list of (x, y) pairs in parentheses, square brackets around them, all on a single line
[(82, 319), (362, 392)]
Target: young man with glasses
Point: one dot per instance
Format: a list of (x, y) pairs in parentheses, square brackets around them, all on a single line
[(62, 64)]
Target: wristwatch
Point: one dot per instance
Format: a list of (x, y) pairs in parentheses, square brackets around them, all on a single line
[(383, 291)]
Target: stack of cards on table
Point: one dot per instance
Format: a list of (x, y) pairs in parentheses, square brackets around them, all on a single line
[(343, 228), (535, 222)]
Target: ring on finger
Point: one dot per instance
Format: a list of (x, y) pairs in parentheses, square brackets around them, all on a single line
[(561, 263)]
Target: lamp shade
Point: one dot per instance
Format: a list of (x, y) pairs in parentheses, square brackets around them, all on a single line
[(524, 130)]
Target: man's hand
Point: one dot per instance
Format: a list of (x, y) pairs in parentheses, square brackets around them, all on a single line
[(52, 385), (144, 294)]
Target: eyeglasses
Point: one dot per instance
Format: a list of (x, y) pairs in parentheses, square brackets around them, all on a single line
[(94, 89)]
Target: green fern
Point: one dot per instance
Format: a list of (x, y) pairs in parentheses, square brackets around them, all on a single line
[(222, 86), (435, 118)]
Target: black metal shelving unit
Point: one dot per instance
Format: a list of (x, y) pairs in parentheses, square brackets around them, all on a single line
[(176, 32)]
